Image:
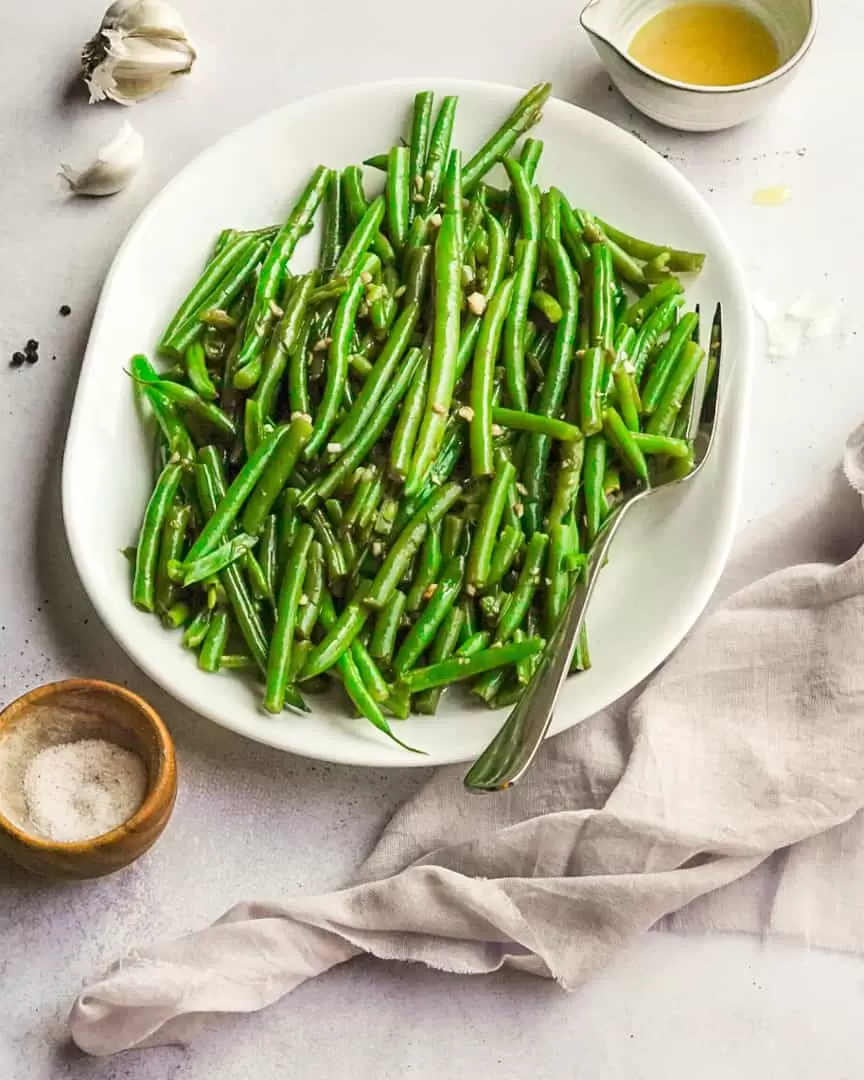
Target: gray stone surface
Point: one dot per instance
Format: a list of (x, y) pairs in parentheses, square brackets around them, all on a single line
[(250, 822)]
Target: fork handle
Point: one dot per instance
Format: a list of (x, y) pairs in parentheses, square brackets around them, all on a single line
[(512, 750)]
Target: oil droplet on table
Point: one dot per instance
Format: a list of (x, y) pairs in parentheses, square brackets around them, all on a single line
[(772, 196), (706, 45)]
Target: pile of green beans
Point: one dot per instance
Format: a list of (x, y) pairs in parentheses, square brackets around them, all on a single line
[(386, 471)]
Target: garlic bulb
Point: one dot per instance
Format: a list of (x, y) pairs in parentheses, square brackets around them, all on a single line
[(115, 165), (140, 46)]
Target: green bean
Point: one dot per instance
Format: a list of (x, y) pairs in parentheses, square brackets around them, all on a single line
[(423, 631), (284, 337), (357, 205), (273, 478), (147, 552), (273, 270), (483, 378), (224, 259), (198, 375), (361, 238), (426, 573), (524, 116), (287, 523), (498, 256), (192, 571), (279, 656), (679, 382), (408, 542), (370, 506), (364, 702), (476, 642), (657, 323), (536, 424), (253, 426), (663, 366), (299, 652), (239, 491), (622, 439), (170, 549), (624, 265), (268, 553), (339, 637), (211, 493), (662, 444), (232, 286), (459, 668), (176, 616), (602, 305), (313, 590), (593, 371), (420, 134), (443, 646), (191, 400), (358, 450), (527, 199), (419, 267), (379, 378), (519, 601), (439, 152), (369, 671), (331, 244), (398, 194), (339, 349), (636, 315), (334, 556), (386, 628), (514, 330), (448, 300), (503, 555), (594, 469), (237, 662), (567, 481), (483, 543), (213, 646), (452, 529), (196, 631), (554, 386), (679, 261), (547, 305)]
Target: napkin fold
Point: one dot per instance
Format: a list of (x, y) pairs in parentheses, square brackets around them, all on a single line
[(674, 808)]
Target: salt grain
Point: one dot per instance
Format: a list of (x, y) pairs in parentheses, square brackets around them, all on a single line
[(78, 790)]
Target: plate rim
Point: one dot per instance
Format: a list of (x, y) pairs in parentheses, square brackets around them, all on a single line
[(381, 755)]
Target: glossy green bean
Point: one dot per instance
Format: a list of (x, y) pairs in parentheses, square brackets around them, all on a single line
[(594, 469), (439, 152), (622, 439), (279, 467), (190, 572), (331, 243), (483, 379), (215, 640), (313, 590), (421, 634), (398, 194), (147, 551), (535, 423), (198, 375), (662, 444), (285, 335), (524, 116), (681, 262), (445, 346), (387, 624), (602, 303), (593, 370), (679, 382), (282, 642), (426, 570), (338, 352), (261, 316), (170, 549), (486, 533), (443, 646), (661, 370), (452, 530), (339, 637), (514, 329), (379, 378), (421, 129), (196, 630), (334, 555), (657, 323), (517, 604), (639, 311), (459, 668), (408, 542), (504, 554), (235, 497), (268, 553)]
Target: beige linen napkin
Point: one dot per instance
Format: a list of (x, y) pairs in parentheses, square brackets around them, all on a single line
[(677, 804)]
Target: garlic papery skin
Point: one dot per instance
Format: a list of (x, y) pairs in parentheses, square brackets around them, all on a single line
[(138, 50), (115, 165)]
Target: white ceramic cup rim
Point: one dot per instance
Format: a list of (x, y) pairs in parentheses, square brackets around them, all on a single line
[(698, 88)]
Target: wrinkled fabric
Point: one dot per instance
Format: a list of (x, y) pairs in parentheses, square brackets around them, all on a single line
[(723, 794)]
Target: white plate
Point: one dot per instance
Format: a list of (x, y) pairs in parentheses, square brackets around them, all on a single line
[(669, 554)]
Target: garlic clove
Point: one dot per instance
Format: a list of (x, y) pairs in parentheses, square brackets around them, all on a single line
[(139, 48), (114, 166)]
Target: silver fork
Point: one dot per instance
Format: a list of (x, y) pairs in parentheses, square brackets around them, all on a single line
[(508, 756)]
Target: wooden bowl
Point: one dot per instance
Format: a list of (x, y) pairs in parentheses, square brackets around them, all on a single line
[(90, 710)]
